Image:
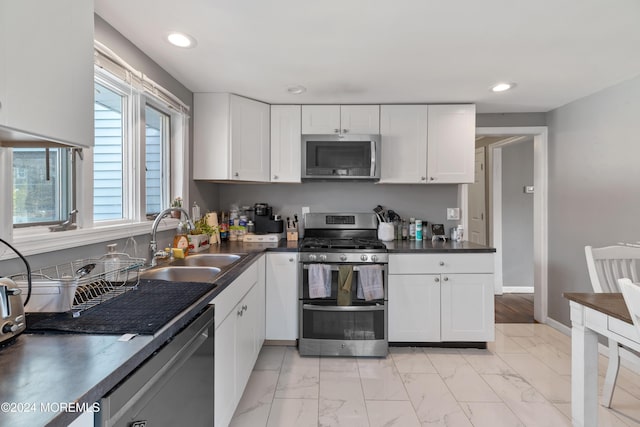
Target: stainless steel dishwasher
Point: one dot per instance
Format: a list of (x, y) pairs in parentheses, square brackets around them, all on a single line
[(173, 387)]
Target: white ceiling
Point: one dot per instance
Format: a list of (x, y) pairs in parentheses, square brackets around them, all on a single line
[(391, 51)]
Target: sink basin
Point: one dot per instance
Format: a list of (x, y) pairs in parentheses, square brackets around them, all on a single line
[(182, 274), (207, 260)]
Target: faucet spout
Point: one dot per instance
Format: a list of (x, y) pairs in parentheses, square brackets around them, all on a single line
[(153, 244)]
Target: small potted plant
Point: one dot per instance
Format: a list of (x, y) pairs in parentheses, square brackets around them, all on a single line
[(177, 203), (200, 236)]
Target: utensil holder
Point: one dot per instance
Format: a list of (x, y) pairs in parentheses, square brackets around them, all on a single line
[(292, 234), (385, 231)]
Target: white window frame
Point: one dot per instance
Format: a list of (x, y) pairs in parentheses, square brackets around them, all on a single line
[(38, 239)]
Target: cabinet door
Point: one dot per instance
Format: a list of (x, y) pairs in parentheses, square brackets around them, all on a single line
[(414, 308), (404, 143), (320, 119), (467, 307), (282, 296), (47, 56), (285, 143), (451, 144), (360, 119), (250, 155), (225, 388), (246, 316)]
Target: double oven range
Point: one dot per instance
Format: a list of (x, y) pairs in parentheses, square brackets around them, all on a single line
[(329, 326)]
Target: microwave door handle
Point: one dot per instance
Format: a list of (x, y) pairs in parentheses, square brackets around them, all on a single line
[(373, 158)]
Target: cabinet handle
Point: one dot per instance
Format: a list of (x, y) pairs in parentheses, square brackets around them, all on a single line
[(275, 176), (236, 174), (244, 308), (345, 130), (290, 259), (431, 178), (437, 279), (336, 130), (239, 313), (423, 178), (441, 263), (446, 279)]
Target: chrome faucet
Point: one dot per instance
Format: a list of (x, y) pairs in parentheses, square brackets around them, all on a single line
[(153, 244)]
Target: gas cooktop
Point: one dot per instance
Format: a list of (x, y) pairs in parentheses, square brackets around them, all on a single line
[(316, 243)]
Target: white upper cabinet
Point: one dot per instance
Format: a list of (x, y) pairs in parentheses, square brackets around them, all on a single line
[(403, 129), (231, 138), (356, 119), (451, 143), (360, 119), (46, 70), (427, 144), (285, 143)]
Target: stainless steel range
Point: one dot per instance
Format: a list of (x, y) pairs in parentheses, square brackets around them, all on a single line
[(342, 287)]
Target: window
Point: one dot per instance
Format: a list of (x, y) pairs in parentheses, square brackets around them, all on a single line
[(137, 166), (41, 186), (108, 154), (157, 138)]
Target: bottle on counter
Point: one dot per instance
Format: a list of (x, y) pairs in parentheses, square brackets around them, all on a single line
[(405, 230), (181, 240), (412, 229), (195, 212), (418, 229), (251, 228), (224, 226), (111, 263)]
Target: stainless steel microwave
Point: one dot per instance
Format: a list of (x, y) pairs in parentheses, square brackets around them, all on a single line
[(340, 156)]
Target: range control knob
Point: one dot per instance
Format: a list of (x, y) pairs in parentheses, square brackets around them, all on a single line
[(312, 257), (323, 258), (363, 257), (343, 257), (374, 258)]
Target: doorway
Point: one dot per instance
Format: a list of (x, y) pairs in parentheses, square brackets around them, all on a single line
[(503, 137)]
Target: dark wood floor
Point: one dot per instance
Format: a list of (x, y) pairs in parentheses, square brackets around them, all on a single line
[(514, 308)]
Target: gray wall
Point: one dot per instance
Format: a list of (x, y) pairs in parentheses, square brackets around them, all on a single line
[(517, 214), (511, 119), (594, 191), (428, 202)]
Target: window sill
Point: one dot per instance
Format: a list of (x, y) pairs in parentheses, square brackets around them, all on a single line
[(37, 240)]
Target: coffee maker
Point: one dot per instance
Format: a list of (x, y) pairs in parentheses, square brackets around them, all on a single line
[(264, 220)]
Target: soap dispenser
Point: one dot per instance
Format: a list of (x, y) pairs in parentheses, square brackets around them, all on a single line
[(181, 240)]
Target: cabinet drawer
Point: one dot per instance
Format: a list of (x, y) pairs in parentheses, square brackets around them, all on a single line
[(624, 329), (440, 263)]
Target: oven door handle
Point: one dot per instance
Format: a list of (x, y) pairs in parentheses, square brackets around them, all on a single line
[(337, 268), (377, 307)]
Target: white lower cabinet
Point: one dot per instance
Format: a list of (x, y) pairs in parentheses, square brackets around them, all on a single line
[(441, 297), (239, 335), (282, 296)]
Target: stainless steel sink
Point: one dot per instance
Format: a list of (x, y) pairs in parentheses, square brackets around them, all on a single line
[(207, 260), (182, 274)]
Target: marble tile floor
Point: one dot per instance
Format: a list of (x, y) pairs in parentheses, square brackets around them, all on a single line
[(522, 379)]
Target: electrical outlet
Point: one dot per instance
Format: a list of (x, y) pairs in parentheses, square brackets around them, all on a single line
[(453, 214), (305, 210)]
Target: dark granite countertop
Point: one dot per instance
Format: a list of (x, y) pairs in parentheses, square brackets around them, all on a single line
[(427, 246), (61, 369)]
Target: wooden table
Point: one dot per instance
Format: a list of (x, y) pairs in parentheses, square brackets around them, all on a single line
[(593, 314)]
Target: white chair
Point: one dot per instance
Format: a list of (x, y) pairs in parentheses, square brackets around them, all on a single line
[(631, 294), (606, 266)]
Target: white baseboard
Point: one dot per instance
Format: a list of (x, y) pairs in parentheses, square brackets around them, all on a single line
[(561, 327), (517, 289)]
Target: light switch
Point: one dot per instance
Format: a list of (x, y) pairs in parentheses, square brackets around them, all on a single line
[(528, 189), (453, 214)]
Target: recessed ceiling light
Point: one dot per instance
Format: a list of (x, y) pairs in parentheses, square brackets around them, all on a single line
[(501, 87), (296, 90), (181, 39)]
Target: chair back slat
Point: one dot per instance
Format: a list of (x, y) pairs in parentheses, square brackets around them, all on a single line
[(608, 264)]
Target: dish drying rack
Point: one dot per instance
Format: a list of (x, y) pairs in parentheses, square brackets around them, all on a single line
[(79, 285)]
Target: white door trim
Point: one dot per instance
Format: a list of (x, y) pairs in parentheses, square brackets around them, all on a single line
[(540, 215)]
